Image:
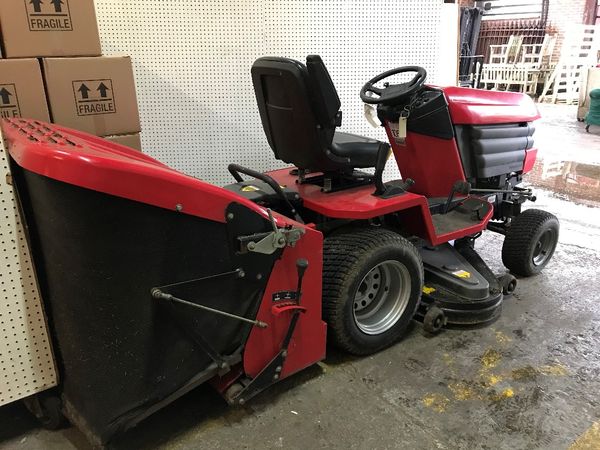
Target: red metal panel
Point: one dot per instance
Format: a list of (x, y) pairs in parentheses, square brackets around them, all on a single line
[(432, 162), (478, 107), (355, 203), (530, 156), (360, 203), (308, 342), (94, 163)]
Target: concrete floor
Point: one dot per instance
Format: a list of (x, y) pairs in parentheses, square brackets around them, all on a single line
[(529, 381)]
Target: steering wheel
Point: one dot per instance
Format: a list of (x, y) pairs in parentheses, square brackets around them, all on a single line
[(393, 94)]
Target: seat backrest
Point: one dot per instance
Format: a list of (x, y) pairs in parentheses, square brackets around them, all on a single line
[(299, 109)]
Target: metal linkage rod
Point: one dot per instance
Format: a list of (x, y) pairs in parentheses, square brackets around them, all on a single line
[(160, 295)]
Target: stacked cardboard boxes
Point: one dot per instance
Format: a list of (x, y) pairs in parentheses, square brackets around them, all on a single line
[(52, 70)]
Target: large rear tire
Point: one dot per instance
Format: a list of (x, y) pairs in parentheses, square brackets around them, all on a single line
[(372, 282), (530, 242)]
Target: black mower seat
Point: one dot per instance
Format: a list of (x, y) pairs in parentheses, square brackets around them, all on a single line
[(361, 150), (300, 111)]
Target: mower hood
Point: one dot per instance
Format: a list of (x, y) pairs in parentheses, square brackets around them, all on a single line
[(478, 107)]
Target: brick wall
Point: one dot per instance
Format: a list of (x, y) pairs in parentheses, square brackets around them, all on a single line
[(562, 13)]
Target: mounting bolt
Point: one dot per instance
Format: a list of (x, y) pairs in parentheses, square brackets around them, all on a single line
[(284, 354), (251, 245), (230, 216), (241, 273), (241, 401), (259, 276), (281, 241), (178, 207), (276, 376), (278, 369)]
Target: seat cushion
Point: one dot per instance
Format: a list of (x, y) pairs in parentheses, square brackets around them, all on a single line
[(361, 150)]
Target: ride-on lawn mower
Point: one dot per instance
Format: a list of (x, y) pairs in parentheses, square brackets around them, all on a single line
[(155, 282)]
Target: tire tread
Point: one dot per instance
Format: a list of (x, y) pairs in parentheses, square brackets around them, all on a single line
[(341, 260), (519, 240)]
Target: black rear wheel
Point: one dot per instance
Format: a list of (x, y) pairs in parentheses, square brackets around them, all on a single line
[(530, 242), (372, 281)]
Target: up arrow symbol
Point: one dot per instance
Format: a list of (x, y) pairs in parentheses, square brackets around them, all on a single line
[(84, 91), (5, 95), (37, 5), (57, 5), (103, 90)]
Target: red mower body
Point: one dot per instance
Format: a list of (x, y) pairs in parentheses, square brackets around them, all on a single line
[(109, 226), (435, 163)]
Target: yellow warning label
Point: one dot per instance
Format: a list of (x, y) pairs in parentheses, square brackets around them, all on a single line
[(461, 274), (250, 188), (428, 290)]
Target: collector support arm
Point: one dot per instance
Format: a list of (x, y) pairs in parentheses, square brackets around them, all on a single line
[(273, 369)]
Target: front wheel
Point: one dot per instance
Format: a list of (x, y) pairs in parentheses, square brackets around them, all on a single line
[(530, 242), (372, 282)]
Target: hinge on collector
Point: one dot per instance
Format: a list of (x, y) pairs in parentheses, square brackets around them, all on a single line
[(268, 243)]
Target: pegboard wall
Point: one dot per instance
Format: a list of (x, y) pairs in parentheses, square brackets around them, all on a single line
[(192, 61), (26, 360)]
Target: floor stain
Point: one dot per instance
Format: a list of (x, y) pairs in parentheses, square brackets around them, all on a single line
[(502, 395), (554, 369), (437, 402), (462, 391), (590, 440), (490, 358), (491, 382), (527, 373), (502, 338)]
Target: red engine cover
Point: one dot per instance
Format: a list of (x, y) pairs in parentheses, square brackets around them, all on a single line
[(478, 107)]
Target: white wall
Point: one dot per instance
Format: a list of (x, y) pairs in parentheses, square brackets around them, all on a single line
[(192, 62)]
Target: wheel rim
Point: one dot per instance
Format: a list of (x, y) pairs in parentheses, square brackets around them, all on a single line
[(543, 247), (381, 297)]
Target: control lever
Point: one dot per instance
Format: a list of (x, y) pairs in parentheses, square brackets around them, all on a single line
[(392, 188), (301, 266), (459, 187)]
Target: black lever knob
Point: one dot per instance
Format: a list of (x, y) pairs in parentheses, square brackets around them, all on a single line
[(301, 265)]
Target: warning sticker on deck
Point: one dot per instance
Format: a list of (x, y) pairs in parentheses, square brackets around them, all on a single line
[(94, 97), (428, 290), (461, 274), (9, 101), (48, 15)]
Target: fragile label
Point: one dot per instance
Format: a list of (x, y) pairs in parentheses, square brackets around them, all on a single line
[(9, 101), (94, 97), (48, 15)]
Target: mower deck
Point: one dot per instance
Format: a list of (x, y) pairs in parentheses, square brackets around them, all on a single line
[(458, 282)]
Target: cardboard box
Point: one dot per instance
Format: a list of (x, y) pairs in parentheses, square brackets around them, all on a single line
[(49, 28), (128, 140), (96, 95), (22, 90)]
